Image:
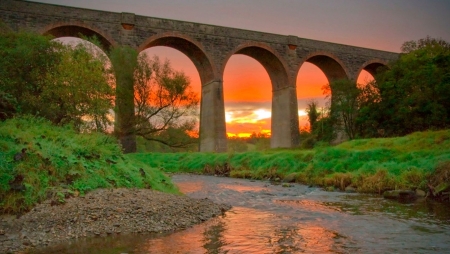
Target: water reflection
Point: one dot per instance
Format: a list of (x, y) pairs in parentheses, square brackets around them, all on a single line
[(213, 241), (244, 230), (426, 211), (242, 188), (189, 187), (272, 219), (310, 205)]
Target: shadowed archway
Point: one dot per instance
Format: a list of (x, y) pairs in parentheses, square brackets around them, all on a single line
[(212, 115), (192, 49), (373, 67), (284, 120), (331, 66), (79, 31)]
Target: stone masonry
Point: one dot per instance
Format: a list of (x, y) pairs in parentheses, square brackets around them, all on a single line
[(209, 47)]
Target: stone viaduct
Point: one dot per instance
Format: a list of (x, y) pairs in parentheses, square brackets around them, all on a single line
[(209, 47)]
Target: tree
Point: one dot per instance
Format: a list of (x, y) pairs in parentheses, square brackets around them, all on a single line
[(368, 112), (152, 101), (79, 91), (344, 97), (47, 79), (313, 115), (431, 45), (25, 61), (324, 127), (413, 92), (165, 105)]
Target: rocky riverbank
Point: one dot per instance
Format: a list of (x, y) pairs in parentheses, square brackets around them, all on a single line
[(104, 212)]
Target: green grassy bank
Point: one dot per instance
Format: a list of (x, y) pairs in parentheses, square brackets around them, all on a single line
[(58, 163), (370, 165)]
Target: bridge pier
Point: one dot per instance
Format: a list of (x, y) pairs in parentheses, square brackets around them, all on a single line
[(285, 129), (212, 118), (209, 47)]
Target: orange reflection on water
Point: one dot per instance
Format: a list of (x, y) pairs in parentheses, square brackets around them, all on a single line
[(241, 188), (187, 241), (312, 239), (188, 187), (248, 230)]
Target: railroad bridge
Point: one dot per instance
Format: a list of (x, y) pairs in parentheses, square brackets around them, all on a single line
[(209, 47)]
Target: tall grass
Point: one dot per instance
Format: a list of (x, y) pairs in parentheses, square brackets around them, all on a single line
[(59, 161), (371, 165)]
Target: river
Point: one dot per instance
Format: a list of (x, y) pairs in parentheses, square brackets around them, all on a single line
[(270, 218)]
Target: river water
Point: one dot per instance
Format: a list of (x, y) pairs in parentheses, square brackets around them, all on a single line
[(270, 218)]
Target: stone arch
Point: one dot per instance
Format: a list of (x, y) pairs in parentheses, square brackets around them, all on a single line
[(188, 46), (372, 67), (212, 114), (334, 69), (284, 120), (271, 61), (76, 29), (331, 66)]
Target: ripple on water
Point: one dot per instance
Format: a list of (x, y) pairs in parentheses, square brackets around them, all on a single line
[(245, 230), (242, 188), (272, 219)]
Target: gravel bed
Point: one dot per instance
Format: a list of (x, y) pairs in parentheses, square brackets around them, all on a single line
[(104, 212)]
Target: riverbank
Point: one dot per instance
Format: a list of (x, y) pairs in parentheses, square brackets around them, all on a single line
[(104, 212), (417, 161)]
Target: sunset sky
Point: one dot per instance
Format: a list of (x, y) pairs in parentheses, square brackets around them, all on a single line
[(380, 24)]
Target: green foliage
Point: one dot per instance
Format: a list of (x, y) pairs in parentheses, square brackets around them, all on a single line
[(26, 60), (4, 29), (324, 129), (313, 115), (412, 95), (371, 165), (237, 145), (166, 106), (79, 91), (344, 98), (261, 141), (431, 45), (153, 101), (61, 83), (59, 158), (8, 106), (149, 146)]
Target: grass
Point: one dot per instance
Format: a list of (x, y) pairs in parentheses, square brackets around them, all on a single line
[(370, 165), (60, 162)]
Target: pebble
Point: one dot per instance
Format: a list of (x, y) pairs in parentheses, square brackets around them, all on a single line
[(117, 211)]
